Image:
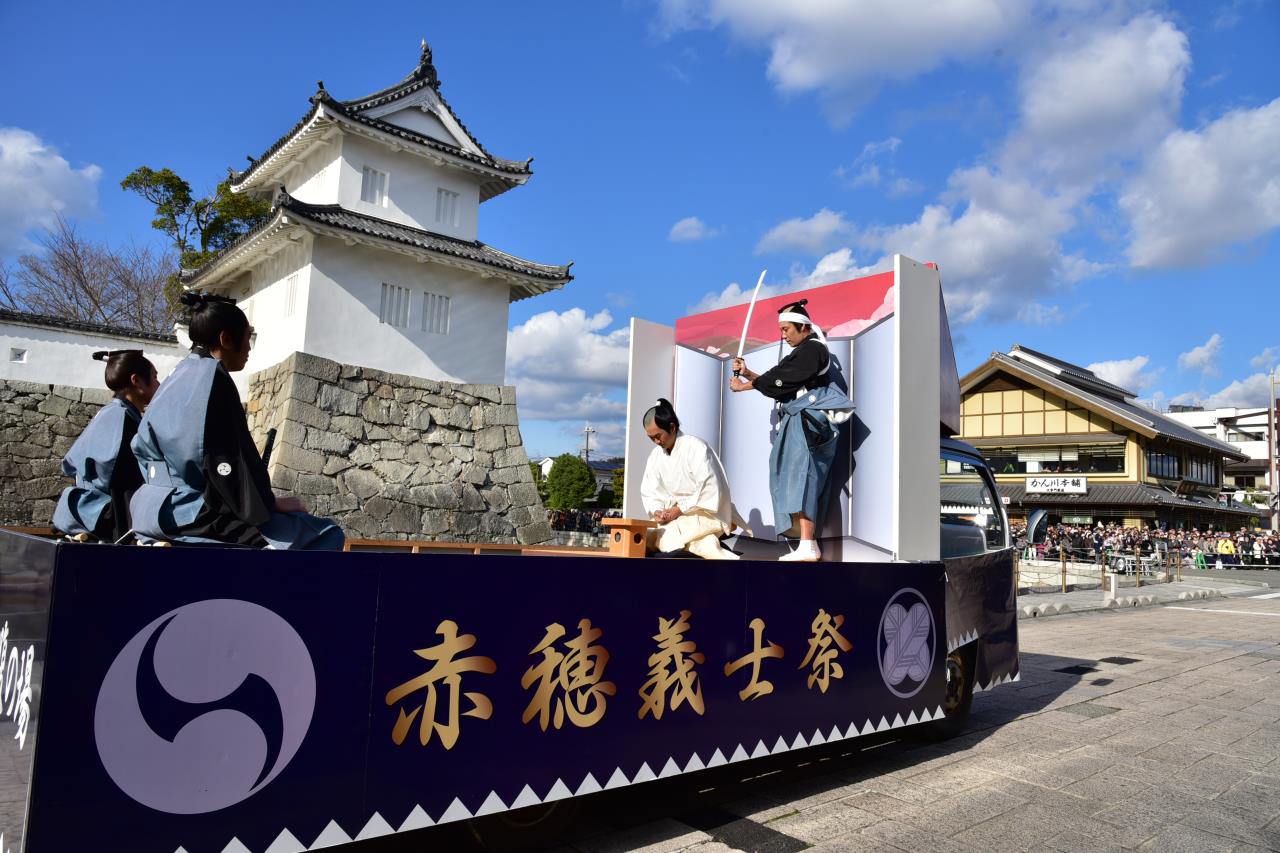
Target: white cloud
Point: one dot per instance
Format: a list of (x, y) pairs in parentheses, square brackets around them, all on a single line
[(1203, 358), (37, 184), (866, 171), (565, 364), (816, 234), (1204, 190), (900, 187), (845, 50), (1000, 249), (691, 229), (1250, 391), (1128, 373), (1265, 359), (1096, 96)]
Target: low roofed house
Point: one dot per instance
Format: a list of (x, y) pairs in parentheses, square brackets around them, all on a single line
[(370, 255), (1059, 437)]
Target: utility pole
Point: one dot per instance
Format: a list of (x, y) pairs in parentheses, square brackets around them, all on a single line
[(587, 432), (1273, 448)]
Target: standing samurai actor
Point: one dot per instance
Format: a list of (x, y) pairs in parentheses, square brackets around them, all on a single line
[(101, 460), (205, 482), (685, 490), (810, 409)]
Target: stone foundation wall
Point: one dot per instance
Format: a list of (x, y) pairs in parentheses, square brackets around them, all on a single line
[(38, 424), (397, 457)]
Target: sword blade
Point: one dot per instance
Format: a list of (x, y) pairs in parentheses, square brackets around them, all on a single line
[(742, 342)]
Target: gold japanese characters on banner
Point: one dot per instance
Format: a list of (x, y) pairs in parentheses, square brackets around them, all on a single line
[(569, 681), (566, 681), (825, 632), (447, 669), (671, 670)]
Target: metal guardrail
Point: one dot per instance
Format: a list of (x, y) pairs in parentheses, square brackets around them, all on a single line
[(1064, 569)]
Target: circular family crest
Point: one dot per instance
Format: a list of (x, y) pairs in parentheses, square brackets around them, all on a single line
[(906, 643), (205, 706)]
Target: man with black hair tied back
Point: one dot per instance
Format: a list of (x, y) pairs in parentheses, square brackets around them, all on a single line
[(685, 490), (810, 409), (101, 460), (205, 482)]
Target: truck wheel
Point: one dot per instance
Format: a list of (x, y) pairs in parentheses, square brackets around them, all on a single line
[(958, 698), (507, 830)]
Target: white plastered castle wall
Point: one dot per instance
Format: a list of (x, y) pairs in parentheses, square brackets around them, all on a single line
[(344, 294), (420, 121), (315, 179), (64, 356), (275, 306), (411, 188)]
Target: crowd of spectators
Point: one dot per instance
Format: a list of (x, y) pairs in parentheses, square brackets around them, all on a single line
[(577, 520), (1101, 543)]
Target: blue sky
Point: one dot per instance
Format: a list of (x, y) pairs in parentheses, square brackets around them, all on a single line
[(1098, 180)]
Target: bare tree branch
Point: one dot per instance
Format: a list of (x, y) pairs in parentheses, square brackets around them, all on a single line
[(77, 279)]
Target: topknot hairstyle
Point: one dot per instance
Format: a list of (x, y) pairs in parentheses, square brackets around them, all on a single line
[(211, 315), (664, 415), (122, 366)]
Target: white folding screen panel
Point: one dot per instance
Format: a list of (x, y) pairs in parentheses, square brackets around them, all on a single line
[(746, 436), (697, 395), (874, 384), (917, 410), (650, 375)]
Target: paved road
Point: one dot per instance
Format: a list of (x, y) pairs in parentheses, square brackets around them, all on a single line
[(1177, 750), (1270, 577)]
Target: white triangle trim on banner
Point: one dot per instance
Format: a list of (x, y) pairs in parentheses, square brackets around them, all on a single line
[(456, 811), (375, 828), (779, 745), (897, 721), (739, 754), (417, 819), (760, 750), (669, 769), (526, 797), (868, 728), (589, 786), (644, 774), (492, 804), (286, 842), (235, 845), (911, 719), (937, 713), (695, 763), (717, 759), (617, 780), (798, 743), (816, 739), (558, 792), (884, 725), (331, 836), (836, 734)]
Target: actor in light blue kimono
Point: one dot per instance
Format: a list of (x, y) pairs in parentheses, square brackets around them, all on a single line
[(101, 460), (810, 411), (205, 481)]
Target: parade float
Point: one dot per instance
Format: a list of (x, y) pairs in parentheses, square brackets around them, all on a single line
[(219, 699)]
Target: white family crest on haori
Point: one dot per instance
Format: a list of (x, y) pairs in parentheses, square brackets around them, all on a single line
[(370, 256)]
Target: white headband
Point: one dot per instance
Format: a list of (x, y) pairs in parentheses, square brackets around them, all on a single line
[(802, 320)]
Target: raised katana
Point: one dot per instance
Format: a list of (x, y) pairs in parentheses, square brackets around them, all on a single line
[(742, 342)]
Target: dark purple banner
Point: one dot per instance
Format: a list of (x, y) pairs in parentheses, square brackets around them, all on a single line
[(193, 697)]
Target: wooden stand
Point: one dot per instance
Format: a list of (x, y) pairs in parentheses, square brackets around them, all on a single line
[(627, 535)]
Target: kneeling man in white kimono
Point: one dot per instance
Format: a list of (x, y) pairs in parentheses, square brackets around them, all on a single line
[(685, 490)]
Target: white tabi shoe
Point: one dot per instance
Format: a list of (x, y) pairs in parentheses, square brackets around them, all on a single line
[(806, 552)]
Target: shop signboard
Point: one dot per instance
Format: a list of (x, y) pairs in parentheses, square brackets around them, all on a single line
[(1057, 485)]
